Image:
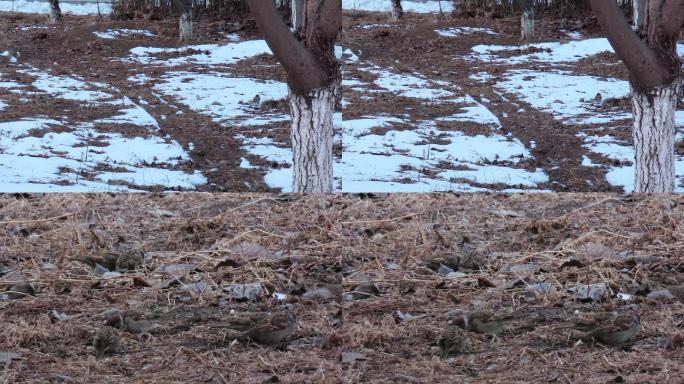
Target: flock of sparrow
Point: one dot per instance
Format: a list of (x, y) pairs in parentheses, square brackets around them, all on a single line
[(263, 328), (272, 328), (613, 329)]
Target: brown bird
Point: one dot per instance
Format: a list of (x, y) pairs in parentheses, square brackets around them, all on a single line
[(267, 329), (123, 261), (106, 341), (452, 340), (483, 322), (131, 321), (611, 329)]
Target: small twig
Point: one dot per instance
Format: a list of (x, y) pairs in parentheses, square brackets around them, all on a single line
[(592, 205), (37, 220), (400, 218)]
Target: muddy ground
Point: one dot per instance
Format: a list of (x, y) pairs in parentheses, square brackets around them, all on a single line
[(508, 253)]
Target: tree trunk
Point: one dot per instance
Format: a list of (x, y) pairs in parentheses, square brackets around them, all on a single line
[(312, 140), (527, 25), (185, 24), (397, 10), (651, 58), (654, 139), (638, 13), (297, 15), (55, 12), (313, 75)]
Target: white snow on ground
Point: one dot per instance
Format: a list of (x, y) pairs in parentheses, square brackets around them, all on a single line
[(24, 6), (2, 105), (9, 55), (623, 175), (393, 153), (111, 34), (544, 52), (393, 161), (416, 6), (554, 52), (406, 85), (209, 54), (574, 35), (566, 96), (224, 98), (459, 31), (34, 159), (570, 98)]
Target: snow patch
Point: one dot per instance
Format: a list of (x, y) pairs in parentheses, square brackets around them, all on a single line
[(459, 31), (111, 34), (24, 6), (566, 96), (415, 6), (205, 54)]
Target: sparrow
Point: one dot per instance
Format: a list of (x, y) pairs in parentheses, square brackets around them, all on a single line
[(131, 321), (129, 260), (256, 100), (598, 98), (483, 322), (19, 291), (106, 341), (452, 340), (267, 329), (116, 261), (611, 329)]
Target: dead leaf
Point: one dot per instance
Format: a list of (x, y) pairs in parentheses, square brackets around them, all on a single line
[(591, 252), (175, 268), (6, 356), (249, 292), (593, 292), (323, 293), (524, 269), (139, 281), (350, 357), (19, 291), (251, 252)]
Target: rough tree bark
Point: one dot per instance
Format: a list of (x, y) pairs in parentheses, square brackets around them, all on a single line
[(397, 10), (650, 55), (638, 11), (527, 21), (313, 78), (55, 11), (185, 21), (297, 15)]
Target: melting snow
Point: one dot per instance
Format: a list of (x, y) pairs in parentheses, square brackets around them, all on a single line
[(43, 7), (111, 34), (416, 6), (36, 159), (209, 54), (458, 31), (561, 94), (224, 98)]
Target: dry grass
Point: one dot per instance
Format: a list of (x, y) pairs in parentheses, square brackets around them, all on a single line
[(486, 235), (396, 241)]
